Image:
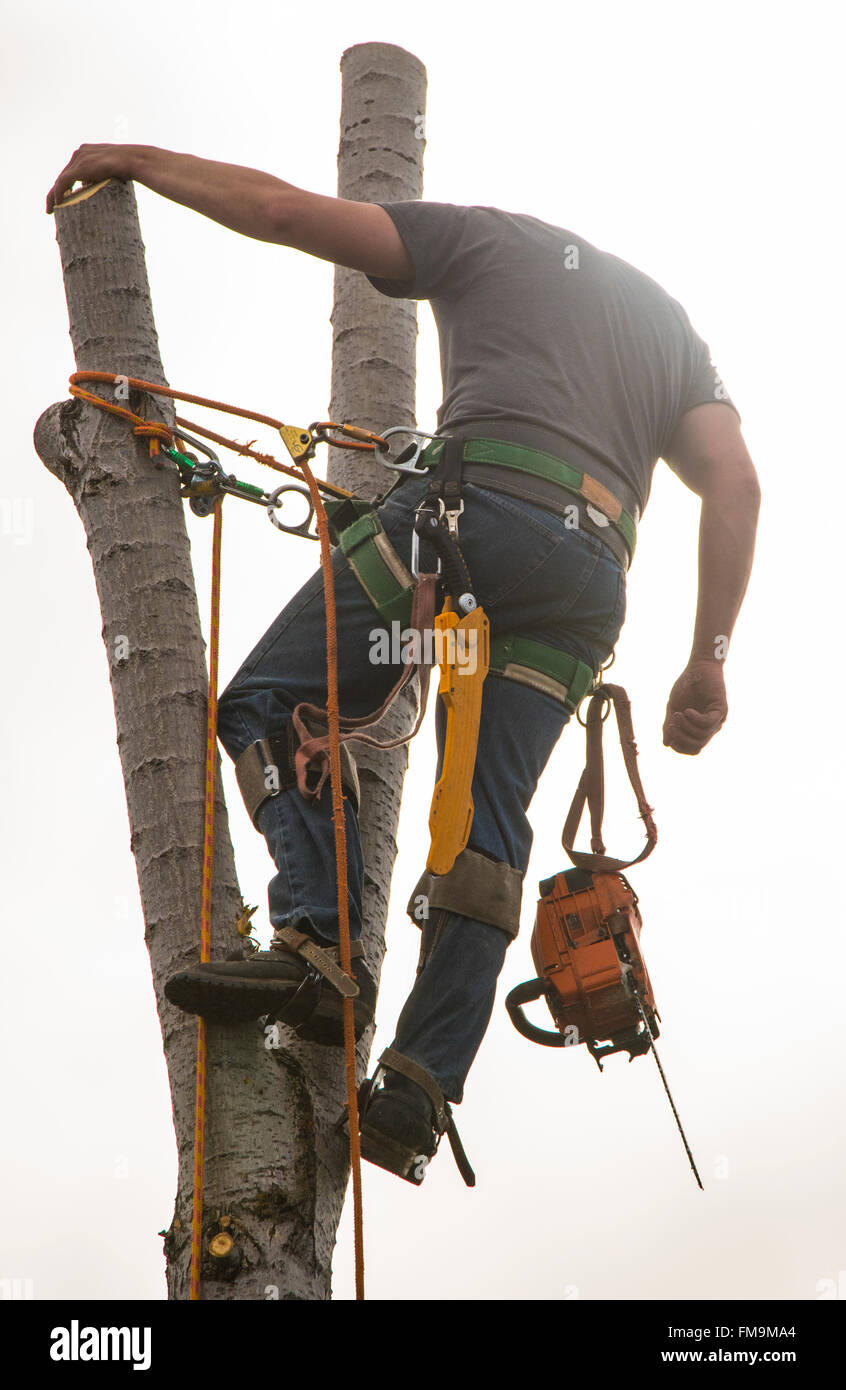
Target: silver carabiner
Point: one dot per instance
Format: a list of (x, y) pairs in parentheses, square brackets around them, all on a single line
[(410, 466), (302, 529)]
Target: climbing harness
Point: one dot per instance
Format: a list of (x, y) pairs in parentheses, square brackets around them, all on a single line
[(460, 632), (389, 584), (586, 939), (537, 476)]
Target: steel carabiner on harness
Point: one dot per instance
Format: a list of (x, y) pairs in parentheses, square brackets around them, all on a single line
[(402, 464), (428, 524)]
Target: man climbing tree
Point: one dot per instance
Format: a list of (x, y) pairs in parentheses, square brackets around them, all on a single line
[(566, 375)]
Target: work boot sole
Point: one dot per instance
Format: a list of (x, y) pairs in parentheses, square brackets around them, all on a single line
[(270, 984)]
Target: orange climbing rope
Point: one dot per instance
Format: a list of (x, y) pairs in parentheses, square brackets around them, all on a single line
[(157, 430), (205, 910), (354, 438), (332, 711)]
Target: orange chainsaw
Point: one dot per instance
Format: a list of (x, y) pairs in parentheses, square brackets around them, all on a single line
[(586, 939), (586, 950)]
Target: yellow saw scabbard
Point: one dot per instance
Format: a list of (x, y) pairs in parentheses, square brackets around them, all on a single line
[(464, 652)]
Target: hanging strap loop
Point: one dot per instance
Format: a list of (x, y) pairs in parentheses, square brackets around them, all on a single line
[(591, 788)]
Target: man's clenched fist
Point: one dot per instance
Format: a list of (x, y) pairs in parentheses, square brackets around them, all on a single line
[(697, 707)]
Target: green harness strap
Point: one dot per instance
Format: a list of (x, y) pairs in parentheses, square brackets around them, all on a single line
[(544, 668), (354, 526), (540, 464)]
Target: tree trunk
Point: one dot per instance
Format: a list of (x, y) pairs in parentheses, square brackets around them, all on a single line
[(374, 342), (269, 1112)]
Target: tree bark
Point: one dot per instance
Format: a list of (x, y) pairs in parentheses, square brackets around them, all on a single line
[(276, 1167), (374, 342)]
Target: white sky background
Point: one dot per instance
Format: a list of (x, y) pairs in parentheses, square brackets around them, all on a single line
[(703, 145)]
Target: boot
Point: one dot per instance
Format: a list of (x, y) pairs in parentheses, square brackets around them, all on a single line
[(402, 1120), (296, 982)]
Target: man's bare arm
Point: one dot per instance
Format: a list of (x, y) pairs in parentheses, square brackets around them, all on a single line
[(709, 454), (359, 235)]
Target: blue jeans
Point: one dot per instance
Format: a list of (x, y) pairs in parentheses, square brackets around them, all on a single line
[(535, 577)]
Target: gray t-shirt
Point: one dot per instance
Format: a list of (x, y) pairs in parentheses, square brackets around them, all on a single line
[(547, 341)]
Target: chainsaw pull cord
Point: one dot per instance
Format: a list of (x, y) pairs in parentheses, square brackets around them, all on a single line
[(591, 788)]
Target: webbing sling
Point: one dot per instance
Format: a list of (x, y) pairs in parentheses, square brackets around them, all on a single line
[(539, 464)]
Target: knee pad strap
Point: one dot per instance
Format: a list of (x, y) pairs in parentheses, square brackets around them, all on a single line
[(487, 890), (267, 768)]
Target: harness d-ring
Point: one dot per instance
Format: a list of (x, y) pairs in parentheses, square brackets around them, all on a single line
[(594, 690), (589, 696)]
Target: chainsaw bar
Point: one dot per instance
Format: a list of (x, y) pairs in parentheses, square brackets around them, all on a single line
[(654, 1049)]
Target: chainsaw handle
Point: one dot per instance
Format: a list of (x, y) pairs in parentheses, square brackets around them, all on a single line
[(524, 994)]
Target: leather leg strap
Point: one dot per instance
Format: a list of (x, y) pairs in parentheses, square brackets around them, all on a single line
[(391, 1060), (267, 767), (396, 1061)]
